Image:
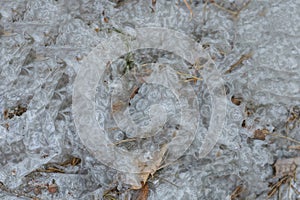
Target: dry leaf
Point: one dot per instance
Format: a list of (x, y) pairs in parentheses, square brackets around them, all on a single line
[(105, 19), (52, 188), (236, 100), (118, 106), (296, 147), (148, 169), (143, 193), (286, 166), (260, 134)]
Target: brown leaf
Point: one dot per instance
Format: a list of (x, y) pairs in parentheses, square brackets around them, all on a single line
[(5, 114), (153, 3), (260, 134), (236, 100), (118, 106), (295, 147), (143, 193), (105, 19), (148, 169), (52, 188), (286, 166)]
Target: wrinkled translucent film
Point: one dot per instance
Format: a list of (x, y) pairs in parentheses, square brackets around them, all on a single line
[(148, 103), (136, 99)]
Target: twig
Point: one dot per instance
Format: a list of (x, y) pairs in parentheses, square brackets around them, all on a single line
[(238, 190), (295, 189), (50, 170), (189, 7), (153, 6), (192, 78), (123, 141), (276, 186), (165, 180), (15, 192), (235, 14), (204, 12), (121, 3), (134, 92), (285, 137), (167, 164), (240, 61)]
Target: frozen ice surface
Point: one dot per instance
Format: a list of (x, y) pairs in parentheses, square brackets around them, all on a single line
[(42, 43)]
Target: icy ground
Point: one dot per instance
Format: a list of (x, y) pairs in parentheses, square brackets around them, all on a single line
[(255, 46)]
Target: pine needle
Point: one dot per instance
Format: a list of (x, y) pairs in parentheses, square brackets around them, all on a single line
[(189, 7)]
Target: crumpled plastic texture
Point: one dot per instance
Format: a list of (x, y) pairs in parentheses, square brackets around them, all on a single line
[(43, 43)]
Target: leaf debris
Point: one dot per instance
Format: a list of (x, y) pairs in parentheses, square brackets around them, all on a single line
[(189, 7), (234, 13), (239, 62), (286, 170), (143, 192), (236, 192), (190, 77)]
